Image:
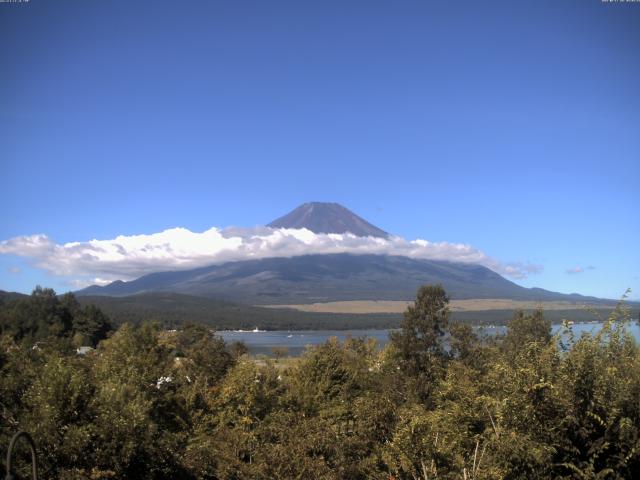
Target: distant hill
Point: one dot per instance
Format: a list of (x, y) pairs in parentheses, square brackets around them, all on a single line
[(325, 278), (8, 296), (322, 217), (173, 309)]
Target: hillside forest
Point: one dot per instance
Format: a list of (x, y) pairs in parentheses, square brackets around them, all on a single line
[(437, 402)]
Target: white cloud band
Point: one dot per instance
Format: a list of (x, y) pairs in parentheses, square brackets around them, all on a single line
[(129, 257)]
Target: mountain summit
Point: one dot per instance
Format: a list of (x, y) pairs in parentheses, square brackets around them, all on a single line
[(321, 217)]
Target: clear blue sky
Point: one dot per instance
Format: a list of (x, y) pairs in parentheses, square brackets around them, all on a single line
[(511, 126)]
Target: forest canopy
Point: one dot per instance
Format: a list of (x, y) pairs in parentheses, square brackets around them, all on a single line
[(437, 402)]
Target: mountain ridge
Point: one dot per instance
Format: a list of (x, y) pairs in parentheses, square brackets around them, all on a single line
[(317, 278)]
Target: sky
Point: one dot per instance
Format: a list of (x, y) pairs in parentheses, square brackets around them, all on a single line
[(133, 135)]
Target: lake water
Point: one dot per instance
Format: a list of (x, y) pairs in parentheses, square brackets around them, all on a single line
[(264, 342)]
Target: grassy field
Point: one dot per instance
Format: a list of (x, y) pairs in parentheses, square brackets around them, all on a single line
[(472, 305)]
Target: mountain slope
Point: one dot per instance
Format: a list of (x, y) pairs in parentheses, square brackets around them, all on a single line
[(324, 278), (322, 217)]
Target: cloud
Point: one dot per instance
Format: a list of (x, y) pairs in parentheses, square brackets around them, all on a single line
[(129, 257), (85, 282), (578, 269), (517, 270), (574, 270), (14, 270)]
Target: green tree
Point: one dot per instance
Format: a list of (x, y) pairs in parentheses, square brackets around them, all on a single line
[(420, 343), (330, 376), (139, 422), (45, 317), (599, 433), (38, 317), (225, 439), (90, 325), (527, 328), (58, 415)]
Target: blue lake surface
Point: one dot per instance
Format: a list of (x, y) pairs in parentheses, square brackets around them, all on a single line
[(297, 341), (263, 342)]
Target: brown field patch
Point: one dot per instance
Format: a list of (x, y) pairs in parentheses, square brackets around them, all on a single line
[(399, 306)]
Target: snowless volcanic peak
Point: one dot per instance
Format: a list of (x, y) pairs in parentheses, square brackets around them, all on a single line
[(320, 217)]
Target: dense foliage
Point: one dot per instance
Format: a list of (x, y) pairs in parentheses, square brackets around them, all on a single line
[(45, 316), (436, 403)]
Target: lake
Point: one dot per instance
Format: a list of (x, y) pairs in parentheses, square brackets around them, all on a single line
[(263, 342)]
